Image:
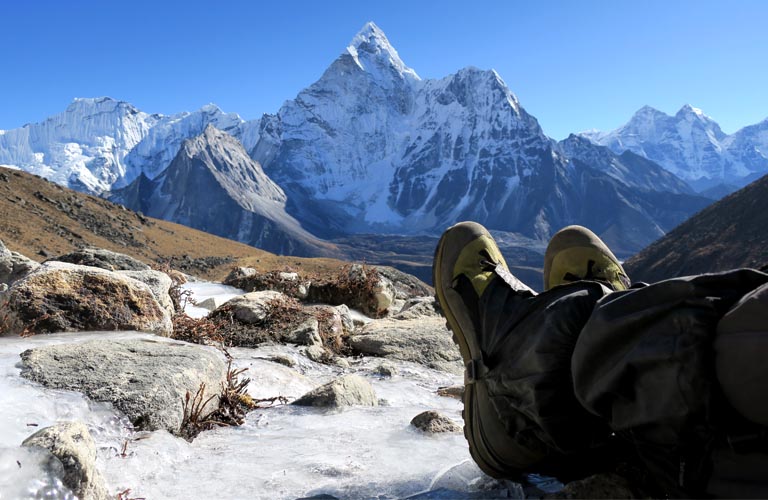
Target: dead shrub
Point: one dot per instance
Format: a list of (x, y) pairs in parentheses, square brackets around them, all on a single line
[(334, 339), (271, 280), (197, 330), (234, 404), (353, 285), (179, 296)]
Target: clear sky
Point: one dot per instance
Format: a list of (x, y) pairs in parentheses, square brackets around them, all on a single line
[(574, 65)]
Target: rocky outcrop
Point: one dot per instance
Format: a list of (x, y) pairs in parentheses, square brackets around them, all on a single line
[(422, 340), (72, 445), (419, 307), (433, 422), (213, 185), (146, 380), (62, 297), (348, 390), (105, 259), (14, 266)]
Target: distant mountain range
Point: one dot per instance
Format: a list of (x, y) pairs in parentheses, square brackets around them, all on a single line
[(370, 148), (692, 146)]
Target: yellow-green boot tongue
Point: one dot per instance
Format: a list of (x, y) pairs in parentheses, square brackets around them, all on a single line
[(477, 262)]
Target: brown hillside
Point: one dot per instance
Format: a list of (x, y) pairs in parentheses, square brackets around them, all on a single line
[(41, 219), (730, 233)]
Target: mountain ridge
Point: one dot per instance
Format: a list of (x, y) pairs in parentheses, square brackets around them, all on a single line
[(692, 146)]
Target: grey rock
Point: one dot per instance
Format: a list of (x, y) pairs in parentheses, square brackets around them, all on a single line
[(346, 318), (433, 422), (348, 390), (239, 273), (157, 281), (253, 307), (284, 360), (62, 297), (14, 266), (72, 445), (317, 353), (406, 285), (418, 307), (341, 362), (146, 380), (104, 259), (453, 391), (307, 333), (386, 370), (425, 341), (211, 303)]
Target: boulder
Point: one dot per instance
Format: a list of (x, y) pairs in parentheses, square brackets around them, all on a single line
[(212, 303), (418, 307), (347, 390), (433, 422), (347, 323), (318, 354), (157, 281), (72, 445), (253, 307), (307, 333), (14, 266), (426, 341), (405, 285), (62, 297), (104, 259), (239, 273), (451, 391), (147, 380), (385, 370)]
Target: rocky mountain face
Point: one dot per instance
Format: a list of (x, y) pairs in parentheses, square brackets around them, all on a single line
[(726, 235), (372, 148), (213, 185), (692, 146)]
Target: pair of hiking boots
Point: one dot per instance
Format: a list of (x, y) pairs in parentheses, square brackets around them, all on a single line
[(468, 255)]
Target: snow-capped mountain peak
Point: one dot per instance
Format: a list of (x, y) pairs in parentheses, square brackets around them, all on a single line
[(689, 144), (371, 50)]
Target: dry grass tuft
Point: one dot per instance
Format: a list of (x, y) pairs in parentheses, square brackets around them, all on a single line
[(234, 405)]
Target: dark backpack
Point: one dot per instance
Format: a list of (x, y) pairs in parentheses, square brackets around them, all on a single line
[(645, 363)]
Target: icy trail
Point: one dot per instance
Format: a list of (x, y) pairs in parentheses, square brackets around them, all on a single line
[(280, 452)]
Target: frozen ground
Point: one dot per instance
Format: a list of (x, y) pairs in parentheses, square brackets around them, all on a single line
[(280, 452)]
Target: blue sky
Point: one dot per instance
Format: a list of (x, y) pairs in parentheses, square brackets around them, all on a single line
[(573, 65)]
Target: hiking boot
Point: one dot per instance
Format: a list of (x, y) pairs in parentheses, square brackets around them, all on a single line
[(575, 253), (466, 261)]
